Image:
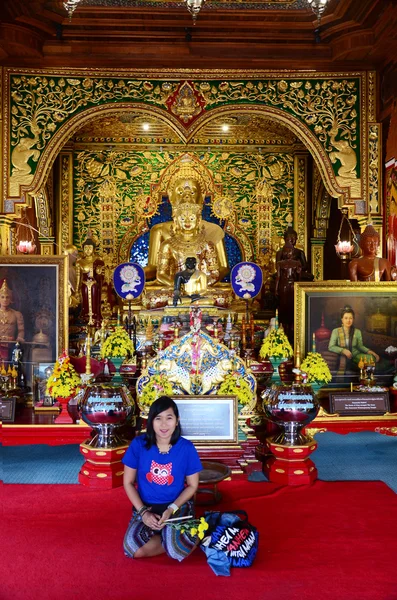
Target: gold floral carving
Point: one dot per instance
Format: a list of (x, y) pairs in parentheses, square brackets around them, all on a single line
[(322, 206), (42, 102), (264, 194), (374, 168), (222, 208), (318, 261), (372, 117), (300, 203), (65, 200), (43, 214)]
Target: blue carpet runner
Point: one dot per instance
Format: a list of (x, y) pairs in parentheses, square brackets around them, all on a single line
[(363, 456)]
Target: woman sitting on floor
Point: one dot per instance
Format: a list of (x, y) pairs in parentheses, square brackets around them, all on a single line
[(160, 461)]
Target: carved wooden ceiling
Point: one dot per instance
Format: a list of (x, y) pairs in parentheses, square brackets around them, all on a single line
[(254, 34)]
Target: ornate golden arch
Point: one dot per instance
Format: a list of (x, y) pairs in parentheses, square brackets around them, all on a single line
[(296, 126)]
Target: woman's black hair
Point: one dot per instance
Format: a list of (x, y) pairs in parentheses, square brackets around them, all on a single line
[(160, 405), (346, 310)]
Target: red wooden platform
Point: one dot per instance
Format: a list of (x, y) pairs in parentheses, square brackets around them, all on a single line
[(40, 428)]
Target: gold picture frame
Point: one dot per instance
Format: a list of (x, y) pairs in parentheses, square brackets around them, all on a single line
[(318, 308), (39, 286)]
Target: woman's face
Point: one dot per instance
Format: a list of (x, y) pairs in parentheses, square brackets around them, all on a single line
[(164, 425), (347, 320)]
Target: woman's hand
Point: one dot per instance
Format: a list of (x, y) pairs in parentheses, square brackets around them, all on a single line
[(376, 356), (151, 520), (167, 514), (347, 353)]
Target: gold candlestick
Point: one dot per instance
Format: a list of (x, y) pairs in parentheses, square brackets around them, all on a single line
[(88, 356)]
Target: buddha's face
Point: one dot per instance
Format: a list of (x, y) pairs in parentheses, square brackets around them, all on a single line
[(291, 238), (5, 299), (187, 221), (369, 245), (186, 190), (88, 250)]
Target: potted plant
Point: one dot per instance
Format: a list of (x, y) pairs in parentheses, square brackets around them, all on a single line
[(63, 384), (277, 348), (316, 370), (117, 347)]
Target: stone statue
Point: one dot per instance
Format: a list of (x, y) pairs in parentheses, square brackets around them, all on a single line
[(193, 280), (89, 278), (291, 237), (185, 188), (12, 326), (188, 240), (288, 271), (369, 267)]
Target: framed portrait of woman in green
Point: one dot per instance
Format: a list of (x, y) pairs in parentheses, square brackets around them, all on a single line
[(349, 324)]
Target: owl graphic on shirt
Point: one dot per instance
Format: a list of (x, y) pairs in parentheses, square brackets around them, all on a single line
[(160, 474)]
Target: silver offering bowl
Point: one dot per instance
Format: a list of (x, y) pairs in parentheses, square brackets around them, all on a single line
[(106, 408), (291, 407)]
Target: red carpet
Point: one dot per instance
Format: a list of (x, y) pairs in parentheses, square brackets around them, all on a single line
[(329, 541)]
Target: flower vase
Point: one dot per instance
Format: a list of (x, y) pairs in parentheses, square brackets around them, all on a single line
[(276, 362), (64, 416), (316, 386), (117, 362)]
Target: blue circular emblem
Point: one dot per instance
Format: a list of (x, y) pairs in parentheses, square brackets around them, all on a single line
[(129, 280), (246, 279)]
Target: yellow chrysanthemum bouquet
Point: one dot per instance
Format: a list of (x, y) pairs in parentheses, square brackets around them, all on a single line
[(158, 385), (276, 344), (192, 526), (118, 344), (235, 385), (316, 369), (63, 382)]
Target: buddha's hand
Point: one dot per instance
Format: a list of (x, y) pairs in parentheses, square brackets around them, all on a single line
[(347, 353)]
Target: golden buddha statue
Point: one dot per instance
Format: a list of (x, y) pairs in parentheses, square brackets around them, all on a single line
[(185, 188), (89, 279), (188, 239)]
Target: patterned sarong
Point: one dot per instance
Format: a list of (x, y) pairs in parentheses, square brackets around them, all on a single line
[(176, 544)]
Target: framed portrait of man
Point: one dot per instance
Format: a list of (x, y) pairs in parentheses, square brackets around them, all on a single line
[(33, 310)]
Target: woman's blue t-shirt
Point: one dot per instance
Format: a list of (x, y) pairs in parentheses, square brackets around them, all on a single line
[(161, 477)]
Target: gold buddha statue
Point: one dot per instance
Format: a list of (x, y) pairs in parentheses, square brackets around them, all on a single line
[(186, 188), (187, 239), (89, 279)]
